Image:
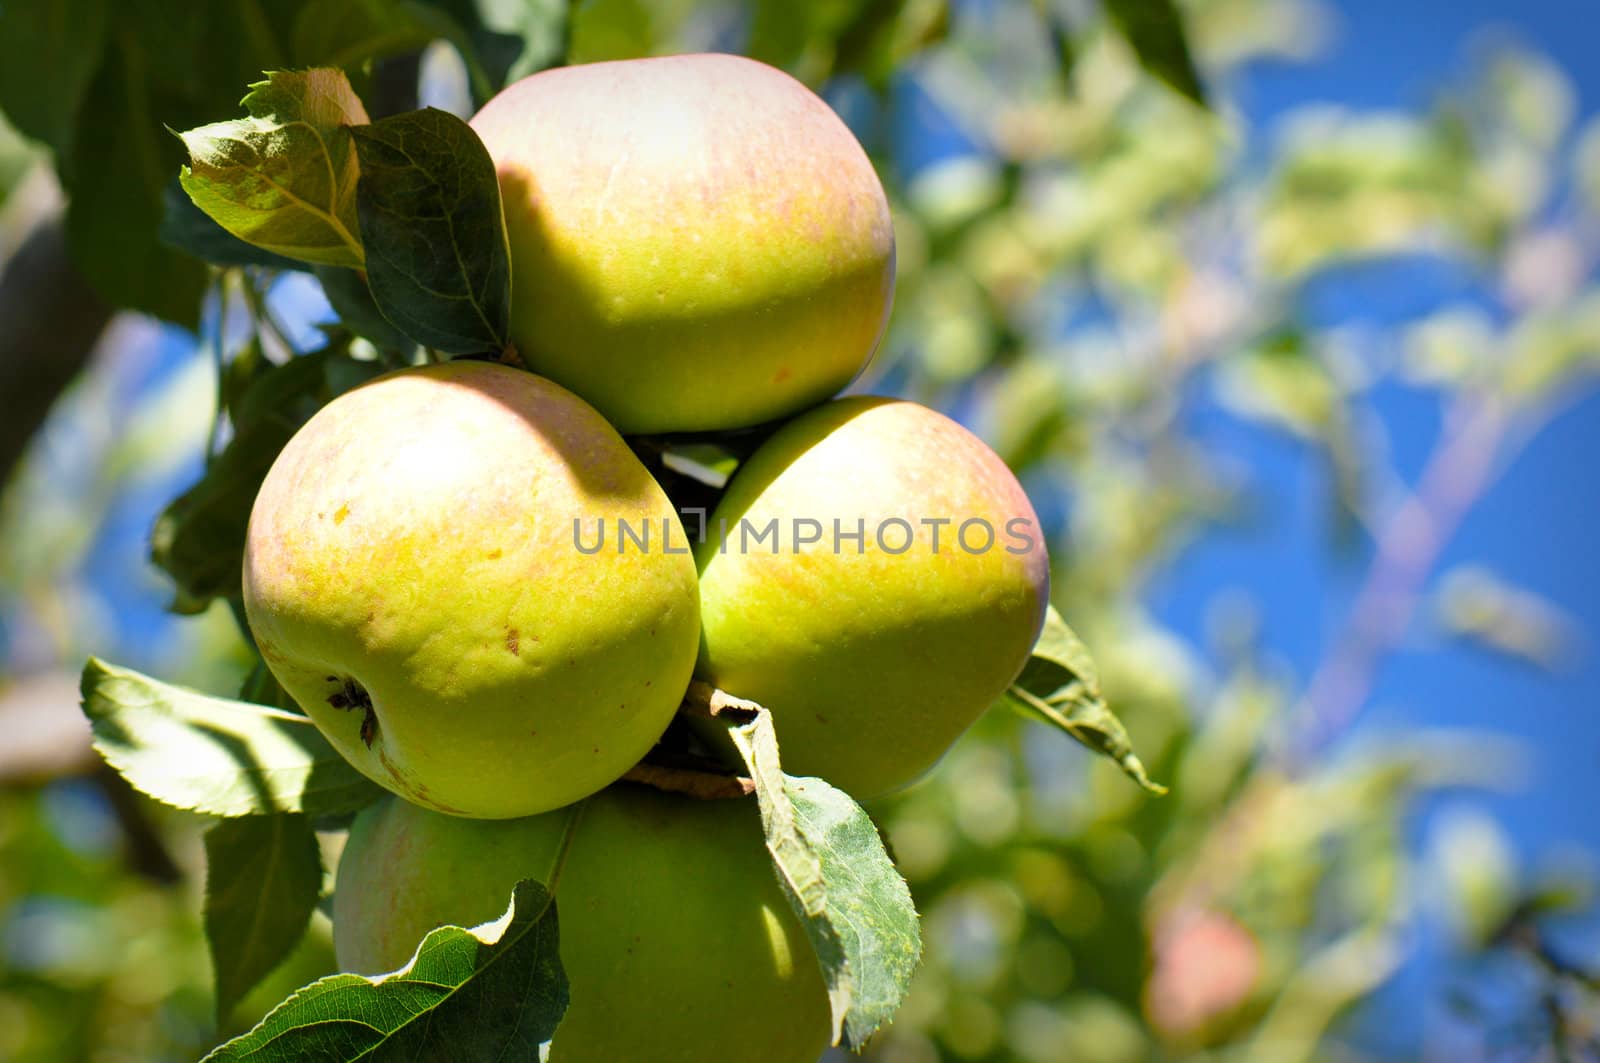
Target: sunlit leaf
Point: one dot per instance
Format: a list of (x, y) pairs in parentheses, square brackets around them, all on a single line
[(856, 908), (214, 755), (185, 227), (284, 178), (1061, 686), (493, 992)]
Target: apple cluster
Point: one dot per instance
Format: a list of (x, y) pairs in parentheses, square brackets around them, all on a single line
[(699, 246)]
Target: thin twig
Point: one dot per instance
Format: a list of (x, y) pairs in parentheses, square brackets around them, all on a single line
[(707, 786), (1408, 547)]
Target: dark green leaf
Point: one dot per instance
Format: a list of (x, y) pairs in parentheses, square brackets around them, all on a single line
[(199, 539), (881, 35), (538, 29), (1059, 29), (856, 908), (49, 52), (495, 992), (284, 179), (168, 67), (213, 755), (263, 876), (1155, 31), (113, 224), (187, 228), (1060, 686), (437, 258), (352, 300), (353, 33)]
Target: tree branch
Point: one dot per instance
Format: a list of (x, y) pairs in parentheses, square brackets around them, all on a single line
[(49, 322)]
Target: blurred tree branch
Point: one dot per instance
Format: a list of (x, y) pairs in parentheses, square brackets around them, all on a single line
[(1407, 548), (49, 322)]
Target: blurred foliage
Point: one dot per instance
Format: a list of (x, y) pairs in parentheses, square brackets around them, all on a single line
[(1089, 257)]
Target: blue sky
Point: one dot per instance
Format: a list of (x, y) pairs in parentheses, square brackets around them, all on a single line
[(1533, 527)]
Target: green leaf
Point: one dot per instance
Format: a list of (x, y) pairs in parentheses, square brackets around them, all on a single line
[(1155, 31), (213, 755), (856, 908), (351, 299), (263, 877), (603, 30), (284, 179), (187, 228), (1059, 29), (879, 37), (199, 539), (49, 52), (494, 992), (1281, 380), (540, 29), (1061, 686), (438, 261), (709, 463), (354, 33), (261, 687), (113, 223), (101, 83)]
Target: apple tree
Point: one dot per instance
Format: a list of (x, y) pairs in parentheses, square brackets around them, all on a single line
[(473, 789)]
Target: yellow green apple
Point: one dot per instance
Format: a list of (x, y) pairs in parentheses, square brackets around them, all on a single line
[(677, 941), (876, 577), (697, 241), (413, 578)]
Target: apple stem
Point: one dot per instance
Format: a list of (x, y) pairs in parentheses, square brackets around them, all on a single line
[(703, 699), (705, 785)]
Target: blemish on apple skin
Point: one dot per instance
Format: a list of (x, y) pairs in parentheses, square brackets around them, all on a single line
[(495, 555), (410, 786), (340, 514), (512, 643), (781, 375)]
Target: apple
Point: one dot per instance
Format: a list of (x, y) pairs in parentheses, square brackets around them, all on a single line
[(677, 941), (874, 652), (413, 578), (697, 241)]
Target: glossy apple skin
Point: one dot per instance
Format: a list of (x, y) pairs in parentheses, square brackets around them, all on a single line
[(416, 536), (872, 662), (677, 942), (697, 241)]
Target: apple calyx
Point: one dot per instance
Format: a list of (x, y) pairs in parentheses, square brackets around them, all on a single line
[(352, 695)]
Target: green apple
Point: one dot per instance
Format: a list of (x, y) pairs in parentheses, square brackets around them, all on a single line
[(676, 938), (413, 577), (697, 241), (876, 577)]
